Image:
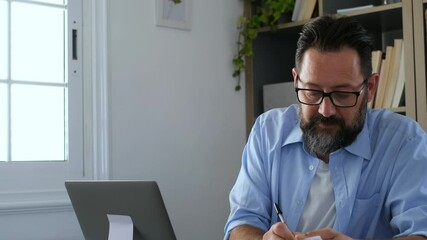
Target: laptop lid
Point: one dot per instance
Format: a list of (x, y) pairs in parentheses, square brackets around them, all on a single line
[(141, 200)]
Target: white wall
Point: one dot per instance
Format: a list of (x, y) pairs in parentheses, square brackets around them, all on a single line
[(55, 225), (175, 116)]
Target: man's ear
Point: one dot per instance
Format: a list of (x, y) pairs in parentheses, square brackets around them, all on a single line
[(372, 86), (294, 74)]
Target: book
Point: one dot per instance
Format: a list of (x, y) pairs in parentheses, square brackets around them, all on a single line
[(393, 73), (400, 84), (377, 56), (303, 9), (308, 8), (379, 98), (297, 9)]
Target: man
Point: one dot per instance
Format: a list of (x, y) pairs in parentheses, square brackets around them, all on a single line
[(337, 169)]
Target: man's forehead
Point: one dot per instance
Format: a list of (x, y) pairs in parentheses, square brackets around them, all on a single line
[(343, 64)]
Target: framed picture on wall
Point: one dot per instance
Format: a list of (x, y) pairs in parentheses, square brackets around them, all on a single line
[(174, 14)]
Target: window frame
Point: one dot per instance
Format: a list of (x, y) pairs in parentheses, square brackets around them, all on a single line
[(89, 146)]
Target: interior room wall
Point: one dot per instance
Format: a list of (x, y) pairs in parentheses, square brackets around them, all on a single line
[(175, 117)]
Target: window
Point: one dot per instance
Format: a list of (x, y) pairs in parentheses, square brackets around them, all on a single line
[(41, 94)]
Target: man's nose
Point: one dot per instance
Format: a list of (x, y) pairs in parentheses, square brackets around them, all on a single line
[(326, 107)]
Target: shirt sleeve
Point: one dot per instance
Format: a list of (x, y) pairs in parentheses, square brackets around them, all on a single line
[(407, 198), (250, 198)]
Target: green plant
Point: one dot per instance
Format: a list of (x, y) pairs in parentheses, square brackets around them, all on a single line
[(268, 13), (176, 1)]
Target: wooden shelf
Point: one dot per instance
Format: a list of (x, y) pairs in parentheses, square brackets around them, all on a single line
[(274, 51)]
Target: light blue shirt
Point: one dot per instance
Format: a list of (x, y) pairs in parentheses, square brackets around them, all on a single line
[(379, 181)]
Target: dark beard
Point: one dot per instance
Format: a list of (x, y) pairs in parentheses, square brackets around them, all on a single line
[(325, 141)]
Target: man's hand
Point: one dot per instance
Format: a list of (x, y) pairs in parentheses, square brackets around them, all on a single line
[(281, 231), (325, 234), (278, 231)]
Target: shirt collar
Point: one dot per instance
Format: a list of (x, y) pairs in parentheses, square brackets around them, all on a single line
[(295, 135), (362, 145)]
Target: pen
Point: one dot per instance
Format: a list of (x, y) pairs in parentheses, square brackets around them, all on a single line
[(280, 214)]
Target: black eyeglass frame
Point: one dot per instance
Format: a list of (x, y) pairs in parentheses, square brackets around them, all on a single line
[(329, 94)]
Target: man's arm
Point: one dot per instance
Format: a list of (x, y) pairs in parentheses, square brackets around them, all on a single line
[(413, 237), (246, 232)]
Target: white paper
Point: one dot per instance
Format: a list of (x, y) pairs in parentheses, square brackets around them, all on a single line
[(314, 238), (121, 227)]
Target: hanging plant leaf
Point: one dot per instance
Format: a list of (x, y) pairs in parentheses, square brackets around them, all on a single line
[(268, 13)]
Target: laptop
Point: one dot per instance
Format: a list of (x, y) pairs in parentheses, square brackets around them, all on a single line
[(141, 200)]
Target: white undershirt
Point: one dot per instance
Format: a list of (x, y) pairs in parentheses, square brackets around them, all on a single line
[(319, 211)]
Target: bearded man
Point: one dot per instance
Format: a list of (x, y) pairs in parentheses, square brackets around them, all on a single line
[(337, 169)]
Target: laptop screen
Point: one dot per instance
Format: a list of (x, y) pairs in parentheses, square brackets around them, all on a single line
[(141, 200)]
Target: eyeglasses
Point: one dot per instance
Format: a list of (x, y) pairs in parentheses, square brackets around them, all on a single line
[(341, 99)]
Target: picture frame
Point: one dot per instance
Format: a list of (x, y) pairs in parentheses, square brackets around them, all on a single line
[(174, 15)]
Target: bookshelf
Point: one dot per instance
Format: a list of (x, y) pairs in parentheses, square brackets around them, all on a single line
[(274, 51), (420, 15)]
